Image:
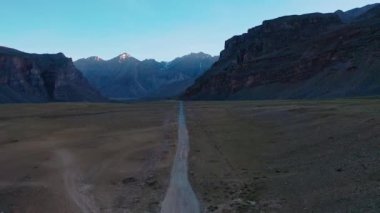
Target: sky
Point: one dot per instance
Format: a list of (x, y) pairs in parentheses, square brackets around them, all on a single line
[(158, 29)]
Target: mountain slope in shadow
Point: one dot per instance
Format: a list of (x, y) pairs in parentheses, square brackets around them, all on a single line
[(299, 57), (41, 78)]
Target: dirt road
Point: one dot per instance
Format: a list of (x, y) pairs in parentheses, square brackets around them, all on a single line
[(180, 197)]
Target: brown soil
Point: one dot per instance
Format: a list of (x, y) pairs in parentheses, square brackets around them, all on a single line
[(286, 156), (86, 157)]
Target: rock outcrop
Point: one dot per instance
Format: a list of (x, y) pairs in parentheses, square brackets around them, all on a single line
[(41, 78), (296, 57)]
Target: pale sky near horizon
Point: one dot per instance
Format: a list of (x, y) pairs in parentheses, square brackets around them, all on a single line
[(159, 29)]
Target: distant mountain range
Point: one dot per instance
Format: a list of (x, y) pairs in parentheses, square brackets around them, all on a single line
[(299, 57), (41, 78), (125, 77), (293, 57)]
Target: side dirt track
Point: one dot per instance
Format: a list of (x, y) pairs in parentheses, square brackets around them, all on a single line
[(86, 157), (286, 156)]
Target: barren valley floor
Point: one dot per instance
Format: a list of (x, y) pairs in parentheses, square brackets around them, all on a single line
[(247, 156), (86, 157), (286, 156)]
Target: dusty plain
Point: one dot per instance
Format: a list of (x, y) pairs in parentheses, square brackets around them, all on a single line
[(86, 157), (286, 156), (246, 156)]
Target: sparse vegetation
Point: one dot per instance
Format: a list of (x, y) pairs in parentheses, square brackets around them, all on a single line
[(286, 156), (85, 157)]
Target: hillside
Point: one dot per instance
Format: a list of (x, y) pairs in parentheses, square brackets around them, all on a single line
[(41, 78), (299, 57)]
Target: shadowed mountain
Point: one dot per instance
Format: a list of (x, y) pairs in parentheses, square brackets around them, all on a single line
[(296, 57), (351, 15), (41, 78), (125, 77)]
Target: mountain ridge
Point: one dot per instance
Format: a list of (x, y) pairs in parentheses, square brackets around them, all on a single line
[(296, 57), (144, 79), (26, 77)]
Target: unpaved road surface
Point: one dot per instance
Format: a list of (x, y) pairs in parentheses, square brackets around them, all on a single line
[(180, 197), (72, 180)]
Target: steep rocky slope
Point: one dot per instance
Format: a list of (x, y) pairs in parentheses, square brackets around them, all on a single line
[(41, 78), (125, 77), (308, 56)]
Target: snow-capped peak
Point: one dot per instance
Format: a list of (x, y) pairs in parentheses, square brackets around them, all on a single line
[(123, 56)]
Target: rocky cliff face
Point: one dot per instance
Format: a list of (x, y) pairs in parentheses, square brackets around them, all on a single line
[(125, 77), (41, 78), (308, 56)]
